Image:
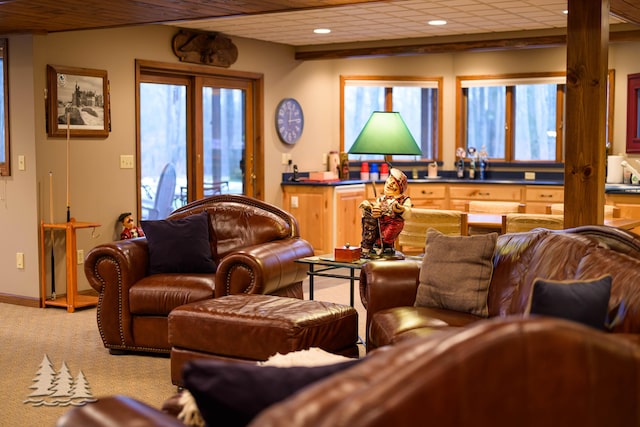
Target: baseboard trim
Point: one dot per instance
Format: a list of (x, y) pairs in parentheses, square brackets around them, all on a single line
[(20, 300), (34, 302)]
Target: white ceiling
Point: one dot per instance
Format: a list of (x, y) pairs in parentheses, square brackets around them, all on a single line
[(392, 20)]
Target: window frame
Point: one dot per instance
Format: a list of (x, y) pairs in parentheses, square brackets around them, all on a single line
[(510, 105), (461, 113), (436, 148), (5, 166)]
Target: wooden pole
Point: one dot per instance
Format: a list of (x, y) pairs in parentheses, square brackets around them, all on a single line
[(68, 164), (586, 103)]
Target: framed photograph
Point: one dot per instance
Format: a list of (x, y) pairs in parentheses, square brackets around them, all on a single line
[(77, 102)]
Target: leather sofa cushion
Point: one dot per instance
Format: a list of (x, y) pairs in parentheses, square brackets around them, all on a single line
[(158, 295), (239, 226)]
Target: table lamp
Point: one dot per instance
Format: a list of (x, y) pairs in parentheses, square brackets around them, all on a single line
[(384, 133)]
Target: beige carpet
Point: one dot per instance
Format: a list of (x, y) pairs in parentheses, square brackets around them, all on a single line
[(72, 344)]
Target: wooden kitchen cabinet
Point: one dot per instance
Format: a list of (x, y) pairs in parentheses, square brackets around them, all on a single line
[(428, 196), (538, 197), (461, 194), (328, 216)]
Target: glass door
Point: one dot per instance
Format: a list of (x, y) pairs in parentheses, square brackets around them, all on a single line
[(224, 134), (197, 137), (163, 146)]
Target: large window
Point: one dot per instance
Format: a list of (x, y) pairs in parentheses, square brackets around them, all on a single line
[(517, 118), (513, 118), (417, 100)]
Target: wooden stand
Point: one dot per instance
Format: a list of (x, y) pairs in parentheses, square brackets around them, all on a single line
[(71, 300)]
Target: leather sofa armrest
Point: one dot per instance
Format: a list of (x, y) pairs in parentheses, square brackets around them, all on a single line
[(116, 411), (267, 268), (111, 269), (123, 261), (387, 284)]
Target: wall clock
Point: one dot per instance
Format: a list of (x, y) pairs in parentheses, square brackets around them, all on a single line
[(289, 120)]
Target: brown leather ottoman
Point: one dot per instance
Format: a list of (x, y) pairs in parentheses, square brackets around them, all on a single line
[(252, 328)]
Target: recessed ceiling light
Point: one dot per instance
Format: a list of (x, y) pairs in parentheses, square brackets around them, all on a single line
[(437, 22), (322, 31)]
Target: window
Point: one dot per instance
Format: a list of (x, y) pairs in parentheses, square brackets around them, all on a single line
[(513, 118), (518, 118), (5, 164), (417, 100)]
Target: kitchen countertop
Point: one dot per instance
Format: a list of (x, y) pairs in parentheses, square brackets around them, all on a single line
[(609, 188)]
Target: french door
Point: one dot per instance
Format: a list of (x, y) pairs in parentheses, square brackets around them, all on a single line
[(197, 136)]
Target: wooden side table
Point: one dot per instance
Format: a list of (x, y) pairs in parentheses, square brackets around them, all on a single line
[(71, 300)]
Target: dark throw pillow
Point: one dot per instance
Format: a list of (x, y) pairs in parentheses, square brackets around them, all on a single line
[(584, 301), (179, 245), (456, 272), (231, 394)]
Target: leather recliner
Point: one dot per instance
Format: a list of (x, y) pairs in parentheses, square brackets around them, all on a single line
[(254, 244)]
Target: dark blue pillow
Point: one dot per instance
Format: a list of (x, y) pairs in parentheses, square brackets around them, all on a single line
[(231, 394), (582, 301), (179, 245)]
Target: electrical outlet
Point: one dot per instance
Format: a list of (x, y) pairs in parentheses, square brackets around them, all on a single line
[(324, 159), (20, 260), (530, 176), (294, 202), (21, 163), (80, 256), (284, 158), (126, 161)]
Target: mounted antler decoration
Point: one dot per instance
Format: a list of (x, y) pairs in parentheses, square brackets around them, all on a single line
[(204, 48)]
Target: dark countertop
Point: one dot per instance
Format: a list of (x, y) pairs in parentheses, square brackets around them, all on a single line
[(304, 181), (609, 188)]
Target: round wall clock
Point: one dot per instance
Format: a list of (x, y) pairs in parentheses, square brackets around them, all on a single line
[(289, 120)]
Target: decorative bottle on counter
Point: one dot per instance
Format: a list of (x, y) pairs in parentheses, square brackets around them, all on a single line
[(472, 162), (483, 162), (460, 168)]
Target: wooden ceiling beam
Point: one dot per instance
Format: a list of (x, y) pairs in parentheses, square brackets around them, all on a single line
[(454, 47), (626, 10)]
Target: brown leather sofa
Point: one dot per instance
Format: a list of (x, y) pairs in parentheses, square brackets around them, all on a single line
[(499, 372), (253, 243), (388, 290)]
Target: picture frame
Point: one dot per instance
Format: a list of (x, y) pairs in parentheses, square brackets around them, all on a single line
[(82, 95)]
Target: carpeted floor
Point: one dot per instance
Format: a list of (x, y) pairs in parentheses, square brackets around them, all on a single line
[(71, 342)]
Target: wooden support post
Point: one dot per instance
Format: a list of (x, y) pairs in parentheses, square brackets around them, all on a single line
[(587, 59)]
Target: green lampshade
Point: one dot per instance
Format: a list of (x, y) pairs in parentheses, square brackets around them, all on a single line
[(385, 133)]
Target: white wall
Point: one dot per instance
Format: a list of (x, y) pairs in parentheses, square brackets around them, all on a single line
[(100, 190)]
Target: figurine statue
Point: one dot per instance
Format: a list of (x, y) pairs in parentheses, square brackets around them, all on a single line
[(383, 220), (130, 230)]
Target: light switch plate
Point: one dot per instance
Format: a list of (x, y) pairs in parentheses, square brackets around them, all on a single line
[(126, 161), (21, 163)]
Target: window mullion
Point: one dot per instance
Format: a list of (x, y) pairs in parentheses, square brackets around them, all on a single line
[(509, 142)]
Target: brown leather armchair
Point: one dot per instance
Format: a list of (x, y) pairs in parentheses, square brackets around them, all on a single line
[(253, 243)]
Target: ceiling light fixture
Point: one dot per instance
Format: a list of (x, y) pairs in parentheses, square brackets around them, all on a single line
[(437, 22), (322, 31)]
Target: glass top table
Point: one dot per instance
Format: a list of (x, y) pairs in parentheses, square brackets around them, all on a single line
[(326, 266)]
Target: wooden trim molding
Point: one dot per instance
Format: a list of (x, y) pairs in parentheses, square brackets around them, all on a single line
[(454, 47)]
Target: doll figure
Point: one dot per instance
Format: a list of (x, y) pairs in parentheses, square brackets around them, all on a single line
[(130, 229), (383, 220)]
